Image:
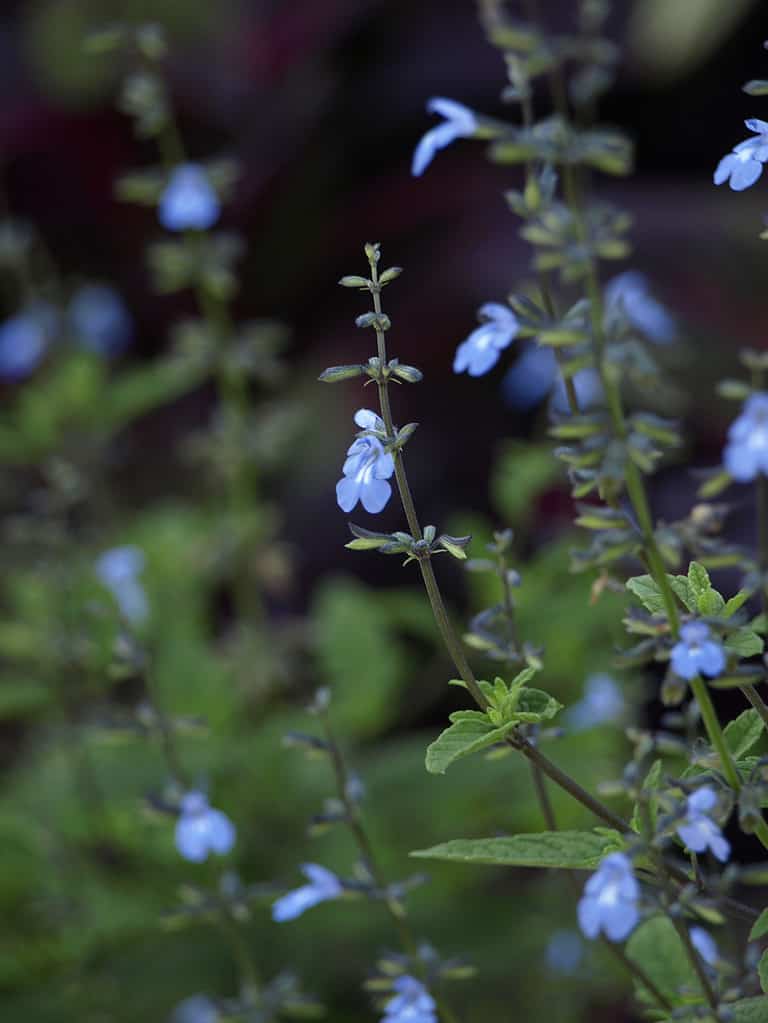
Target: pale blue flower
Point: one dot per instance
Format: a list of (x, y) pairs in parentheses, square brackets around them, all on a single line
[(459, 122), (481, 350), (367, 468), (24, 340), (696, 653), (119, 570), (610, 900), (323, 885), (744, 165), (705, 945), (565, 952), (630, 292), (698, 831), (411, 1003), (195, 1009), (746, 454), (201, 830), (189, 201), (602, 703), (99, 319), (535, 375)]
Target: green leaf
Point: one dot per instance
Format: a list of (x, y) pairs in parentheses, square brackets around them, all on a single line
[(762, 971), (759, 927), (465, 735), (742, 733), (647, 592), (744, 642), (735, 602), (650, 784), (698, 577), (682, 590), (656, 947), (535, 705), (522, 677), (573, 850), (749, 1010)]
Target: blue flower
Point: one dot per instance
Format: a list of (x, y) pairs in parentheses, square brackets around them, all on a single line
[(24, 340), (480, 352), (629, 293), (697, 654), (459, 122), (705, 945), (201, 830), (367, 468), (323, 885), (602, 702), (746, 454), (195, 1009), (610, 900), (119, 569), (99, 319), (565, 951), (698, 831), (189, 201), (411, 1003), (744, 165), (535, 374)]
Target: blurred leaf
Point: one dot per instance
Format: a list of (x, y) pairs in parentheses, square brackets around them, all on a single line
[(574, 850), (668, 41), (742, 734), (656, 947)]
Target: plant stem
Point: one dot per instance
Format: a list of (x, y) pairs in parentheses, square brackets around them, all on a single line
[(354, 821)]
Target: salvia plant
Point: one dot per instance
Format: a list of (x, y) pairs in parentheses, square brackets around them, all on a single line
[(156, 787), (662, 881)]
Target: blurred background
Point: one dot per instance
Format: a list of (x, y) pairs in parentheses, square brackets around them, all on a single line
[(321, 102)]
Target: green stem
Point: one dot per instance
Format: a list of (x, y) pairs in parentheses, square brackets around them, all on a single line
[(715, 732), (354, 822)]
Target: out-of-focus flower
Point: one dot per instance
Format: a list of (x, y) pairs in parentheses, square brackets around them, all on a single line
[(705, 945), (696, 653), (459, 122), (189, 201), (535, 374), (323, 885), (195, 1009), (698, 830), (411, 1003), (480, 352), (119, 570), (201, 830), (602, 702), (630, 292), (610, 900), (565, 951), (99, 319), (744, 165), (24, 340), (746, 453), (367, 468)]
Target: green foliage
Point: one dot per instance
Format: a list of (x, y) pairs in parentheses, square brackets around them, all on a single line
[(522, 472), (655, 946), (469, 732), (573, 850), (743, 732), (759, 927)]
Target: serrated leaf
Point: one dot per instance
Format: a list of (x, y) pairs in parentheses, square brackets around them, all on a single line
[(698, 577), (682, 590), (734, 603), (749, 1010), (572, 850), (535, 705), (742, 733), (647, 592), (759, 927), (744, 642), (464, 736)]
